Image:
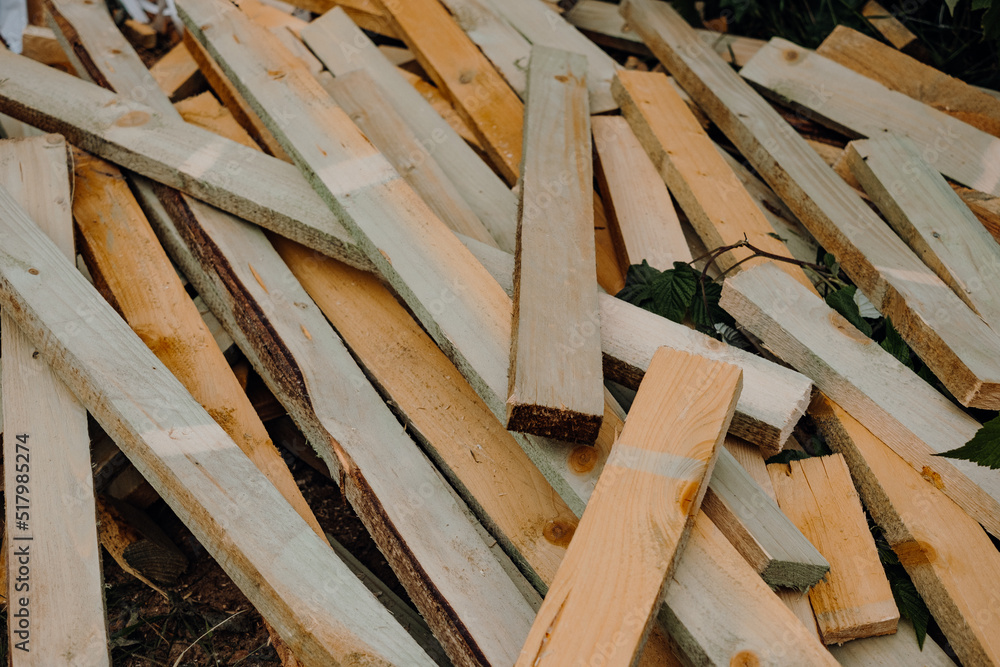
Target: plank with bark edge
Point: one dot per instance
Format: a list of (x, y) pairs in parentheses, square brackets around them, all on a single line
[(56, 597), (634, 530), (886, 396), (955, 344)]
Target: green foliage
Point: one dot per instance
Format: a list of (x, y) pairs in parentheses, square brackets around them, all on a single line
[(681, 293), (843, 302), (984, 448), (911, 605), (894, 344)]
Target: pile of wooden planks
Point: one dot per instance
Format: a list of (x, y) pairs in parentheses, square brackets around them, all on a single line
[(411, 232)]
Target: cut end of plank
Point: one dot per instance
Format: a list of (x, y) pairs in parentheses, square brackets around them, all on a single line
[(561, 424)]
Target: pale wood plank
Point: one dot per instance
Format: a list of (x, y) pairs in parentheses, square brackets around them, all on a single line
[(56, 596), (139, 33), (909, 76), (889, 26), (767, 411), (986, 207), (931, 218), (125, 258), (612, 579), (210, 484), (897, 650), (854, 600), (956, 149), (500, 42), (886, 396), (555, 380), (543, 27), (749, 457), (950, 558), (639, 207), (40, 43), (177, 73), (485, 193), (956, 345), (171, 151), (206, 111), (714, 200), (759, 530), (443, 108), (480, 94), (368, 106), (271, 17)]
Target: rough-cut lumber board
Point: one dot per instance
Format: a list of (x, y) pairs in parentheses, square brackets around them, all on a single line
[(224, 88), (56, 598), (760, 531), (720, 613), (602, 22), (480, 94), (857, 106), (906, 75), (950, 558), (635, 527), (140, 34), (896, 650), (486, 194), (555, 380), (367, 105), (125, 259), (986, 207), (718, 206), (177, 73), (886, 396), (271, 17), (404, 503), (206, 111), (500, 42), (641, 213), (775, 396), (297, 48), (40, 43), (543, 27), (209, 483), (266, 191), (438, 103), (956, 345), (138, 545), (365, 13), (889, 26), (931, 218), (854, 600)]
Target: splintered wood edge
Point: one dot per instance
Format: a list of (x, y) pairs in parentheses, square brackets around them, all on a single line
[(548, 422)]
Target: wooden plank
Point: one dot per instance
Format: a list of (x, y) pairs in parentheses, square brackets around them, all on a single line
[(442, 106), (56, 595), (897, 650), (138, 545), (271, 17), (759, 530), (40, 43), (500, 42), (543, 27), (714, 200), (485, 193), (886, 396), (602, 23), (480, 94), (958, 150), (555, 386), (767, 411), (206, 111), (986, 208), (956, 345), (140, 34), (171, 151), (854, 600), (945, 552), (367, 105), (125, 258), (890, 27), (177, 73), (209, 483), (898, 71), (718, 612), (640, 210), (233, 100), (624, 550), (931, 218)]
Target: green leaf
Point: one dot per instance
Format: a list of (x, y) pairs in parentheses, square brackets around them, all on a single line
[(831, 263), (843, 302), (911, 605), (773, 235), (895, 345), (638, 285), (708, 292), (951, 6), (788, 455), (674, 290), (981, 4), (984, 448)]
